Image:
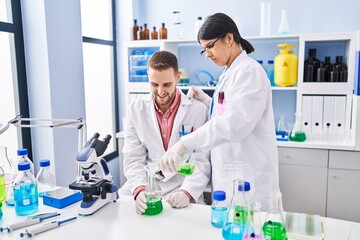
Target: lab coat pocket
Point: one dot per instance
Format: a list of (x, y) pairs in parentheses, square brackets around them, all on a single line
[(185, 130), (220, 108)]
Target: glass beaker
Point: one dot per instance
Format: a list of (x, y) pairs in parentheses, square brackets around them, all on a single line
[(237, 214), (187, 164), (297, 135), (274, 227), (152, 192)]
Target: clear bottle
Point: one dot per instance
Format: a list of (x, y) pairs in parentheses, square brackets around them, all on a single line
[(134, 30), (198, 23), (154, 34), (163, 31), (270, 72), (140, 33), (26, 197), (2, 185), (238, 213), (45, 178), (23, 157), (284, 26), (274, 227), (152, 192), (219, 209)]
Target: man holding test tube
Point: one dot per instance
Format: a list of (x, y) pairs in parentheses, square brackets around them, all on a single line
[(154, 123)]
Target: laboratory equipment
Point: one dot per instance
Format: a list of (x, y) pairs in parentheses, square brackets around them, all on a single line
[(45, 178), (311, 64), (274, 227), (286, 66), (134, 30), (152, 192), (198, 23), (270, 72), (2, 185), (154, 34), (23, 157), (303, 226), (140, 34), (1, 213), (238, 213), (253, 229), (187, 164), (146, 32), (284, 25), (96, 183), (46, 227), (265, 18), (26, 199), (219, 209), (7, 168), (297, 135), (281, 132), (62, 197), (163, 31), (31, 220)]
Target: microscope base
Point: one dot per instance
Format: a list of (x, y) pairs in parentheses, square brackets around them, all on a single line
[(88, 208)]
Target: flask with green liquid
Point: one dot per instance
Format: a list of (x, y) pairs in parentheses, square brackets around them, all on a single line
[(187, 164), (152, 192)]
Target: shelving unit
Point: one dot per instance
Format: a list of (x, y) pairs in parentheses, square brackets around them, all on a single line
[(286, 100)]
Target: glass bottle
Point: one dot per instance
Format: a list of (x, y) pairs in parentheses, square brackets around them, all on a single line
[(2, 185), (328, 66), (134, 30), (274, 227), (154, 34), (238, 213), (146, 32), (253, 229), (152, 192), (163, 32), (219, 209), (25, 191), (140, 33), (45, 178), (270, 72), (23, 157), (187, 164), (284, 26), (297, 135)]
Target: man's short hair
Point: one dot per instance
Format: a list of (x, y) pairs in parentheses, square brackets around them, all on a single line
[(163, 60)]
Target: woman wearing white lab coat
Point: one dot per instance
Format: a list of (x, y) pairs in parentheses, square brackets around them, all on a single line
[(240, 132)]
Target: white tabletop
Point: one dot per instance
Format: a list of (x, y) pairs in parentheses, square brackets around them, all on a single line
[(120, 221)]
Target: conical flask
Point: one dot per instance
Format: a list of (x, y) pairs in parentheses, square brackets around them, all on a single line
[(152, 192), (237, 214), (253, 229), (9, 175), (187, 164), (297, 135), (274, 227)]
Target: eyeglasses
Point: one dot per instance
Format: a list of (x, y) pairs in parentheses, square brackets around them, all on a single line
[(212, 44)]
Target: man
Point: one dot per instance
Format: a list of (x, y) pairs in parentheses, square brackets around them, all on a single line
[(153, 124)]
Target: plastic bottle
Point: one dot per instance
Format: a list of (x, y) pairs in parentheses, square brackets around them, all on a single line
[(219, 209), (154, 34), (284, 26), (25, 191), (23, 157), (198, 24), (163, 32), (45, 178), (285, 66), (146, 32), (134, 30), (270, 72)]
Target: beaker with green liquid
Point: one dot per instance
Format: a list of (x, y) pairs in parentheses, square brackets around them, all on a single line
[(152, 192), (187, 164), (274, 227), (297, 135)]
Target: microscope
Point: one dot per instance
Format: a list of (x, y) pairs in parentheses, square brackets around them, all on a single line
[(95, 181)]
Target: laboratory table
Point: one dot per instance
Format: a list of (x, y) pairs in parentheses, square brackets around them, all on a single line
[(119, 220)]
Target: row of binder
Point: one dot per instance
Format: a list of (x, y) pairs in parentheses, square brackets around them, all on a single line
[(324, 117)]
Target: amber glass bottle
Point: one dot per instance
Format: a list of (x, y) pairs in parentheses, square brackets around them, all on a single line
[(140, 33), (146, 32), (154, 34), (163, 32), (134, 30)]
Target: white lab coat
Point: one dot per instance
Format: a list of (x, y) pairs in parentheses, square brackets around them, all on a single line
[(241, 135), (143, 144)]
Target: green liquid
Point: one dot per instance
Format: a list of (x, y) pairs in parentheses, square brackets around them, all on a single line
[(186, 169), (297, 136), (240, 214), (154, 205), (274, 230), (2, 188)]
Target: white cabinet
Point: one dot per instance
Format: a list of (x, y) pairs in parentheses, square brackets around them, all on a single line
[(343, 197), (303, 179)]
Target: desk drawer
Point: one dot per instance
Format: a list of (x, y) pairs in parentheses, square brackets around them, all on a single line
[(303, 156), (344, 160)]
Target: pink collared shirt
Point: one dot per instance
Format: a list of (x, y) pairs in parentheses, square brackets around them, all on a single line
[(166, 120)]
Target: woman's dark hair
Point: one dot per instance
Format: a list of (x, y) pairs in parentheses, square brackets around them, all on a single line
[(218, 25)]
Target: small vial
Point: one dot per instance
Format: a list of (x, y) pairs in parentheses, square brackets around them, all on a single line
[(26, 198), (218, 209), (45, 178)]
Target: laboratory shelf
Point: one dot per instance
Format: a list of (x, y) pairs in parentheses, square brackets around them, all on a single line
[(284, 88), (318, 145)]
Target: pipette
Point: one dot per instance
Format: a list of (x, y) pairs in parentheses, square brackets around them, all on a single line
[(45, 227), (29, 221)]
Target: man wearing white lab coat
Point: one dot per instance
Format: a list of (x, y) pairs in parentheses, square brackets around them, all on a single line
[(153, 124)]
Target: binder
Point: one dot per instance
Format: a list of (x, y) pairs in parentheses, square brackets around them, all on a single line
[(328, 120), (317, 117), (306, 115), (339, 116)]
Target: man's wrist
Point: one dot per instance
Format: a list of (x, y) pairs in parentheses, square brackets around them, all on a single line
[(138, 190)]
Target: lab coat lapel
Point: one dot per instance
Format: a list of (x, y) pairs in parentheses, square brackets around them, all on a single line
[(180, 115), (152, 114)]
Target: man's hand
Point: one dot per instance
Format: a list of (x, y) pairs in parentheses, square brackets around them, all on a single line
[(178, 200), (140, 202)]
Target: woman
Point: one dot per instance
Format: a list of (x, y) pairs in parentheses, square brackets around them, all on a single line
[(240, 132)]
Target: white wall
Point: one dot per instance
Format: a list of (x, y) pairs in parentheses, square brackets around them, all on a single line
[(53, 51)]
